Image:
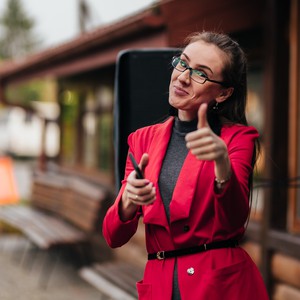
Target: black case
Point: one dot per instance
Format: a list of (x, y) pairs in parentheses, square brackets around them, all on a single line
[(141, 96)]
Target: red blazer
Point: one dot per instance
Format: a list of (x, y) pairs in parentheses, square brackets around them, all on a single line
[(198, 215)]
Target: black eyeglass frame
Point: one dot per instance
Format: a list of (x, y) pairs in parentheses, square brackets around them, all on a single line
[(206, 78)]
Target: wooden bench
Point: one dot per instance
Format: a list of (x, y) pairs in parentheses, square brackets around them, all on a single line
[(115, 279), (63, 211)]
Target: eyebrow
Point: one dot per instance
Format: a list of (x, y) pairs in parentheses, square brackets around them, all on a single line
[(201, 66)]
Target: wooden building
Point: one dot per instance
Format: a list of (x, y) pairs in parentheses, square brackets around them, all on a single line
[(269, 31)]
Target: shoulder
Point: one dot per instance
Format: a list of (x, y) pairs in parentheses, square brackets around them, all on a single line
[(148, 132), (238, 131)]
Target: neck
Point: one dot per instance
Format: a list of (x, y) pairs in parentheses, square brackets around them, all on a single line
[(186, 116)]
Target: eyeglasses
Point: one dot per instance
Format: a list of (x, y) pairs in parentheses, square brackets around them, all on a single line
[(196, 75)]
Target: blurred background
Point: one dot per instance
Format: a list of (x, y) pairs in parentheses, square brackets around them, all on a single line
[(70, 81)]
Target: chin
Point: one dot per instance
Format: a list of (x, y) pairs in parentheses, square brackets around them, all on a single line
[(175, 102)]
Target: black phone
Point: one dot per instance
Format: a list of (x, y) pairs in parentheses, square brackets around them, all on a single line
[(139, 174)]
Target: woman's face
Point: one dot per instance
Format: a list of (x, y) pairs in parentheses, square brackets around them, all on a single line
[(187, 95)]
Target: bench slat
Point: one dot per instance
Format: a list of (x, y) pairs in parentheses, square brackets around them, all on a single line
[(117, 280), (44, 230), (122, 274)]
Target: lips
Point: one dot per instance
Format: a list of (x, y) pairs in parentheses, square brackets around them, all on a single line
[(180, 91)]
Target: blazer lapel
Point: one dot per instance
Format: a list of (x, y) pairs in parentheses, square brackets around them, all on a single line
[(155, 213), (187, 181), (184, 191)]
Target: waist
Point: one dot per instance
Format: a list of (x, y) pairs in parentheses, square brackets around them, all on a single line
[(160, 255)]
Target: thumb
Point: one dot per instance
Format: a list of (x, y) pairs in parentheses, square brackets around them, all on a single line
[(144, 161), (202, 118)]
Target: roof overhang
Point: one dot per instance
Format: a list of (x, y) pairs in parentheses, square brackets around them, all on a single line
[(89, 51)]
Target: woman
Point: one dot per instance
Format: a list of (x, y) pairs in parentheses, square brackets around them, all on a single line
[(197, 168)]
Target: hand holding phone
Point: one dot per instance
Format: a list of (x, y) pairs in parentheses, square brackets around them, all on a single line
[(139, 174)]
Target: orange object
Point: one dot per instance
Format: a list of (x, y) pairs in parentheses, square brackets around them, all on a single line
[(8, 188)]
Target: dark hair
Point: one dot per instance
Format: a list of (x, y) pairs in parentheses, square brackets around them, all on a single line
[(234, 74)]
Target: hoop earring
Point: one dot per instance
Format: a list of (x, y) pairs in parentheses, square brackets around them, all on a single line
[(216, 106)]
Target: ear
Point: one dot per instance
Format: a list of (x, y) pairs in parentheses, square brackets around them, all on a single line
[(224, 94)]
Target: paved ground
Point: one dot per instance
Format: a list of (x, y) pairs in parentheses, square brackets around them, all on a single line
[(22, 268)]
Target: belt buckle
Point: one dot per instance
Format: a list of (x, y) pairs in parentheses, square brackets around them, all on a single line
[(160, 255)]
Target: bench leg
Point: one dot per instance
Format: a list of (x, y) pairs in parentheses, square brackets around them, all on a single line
[(48, 267), (19, 253), (83, 258), (29, 256), (78, 255)]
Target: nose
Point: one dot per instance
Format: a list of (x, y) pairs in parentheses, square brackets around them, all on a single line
[(185, 76)]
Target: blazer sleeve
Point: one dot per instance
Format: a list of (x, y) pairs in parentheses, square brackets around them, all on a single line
[(234, 199), (115, 231)]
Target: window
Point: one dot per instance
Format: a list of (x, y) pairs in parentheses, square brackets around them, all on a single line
[(69, 115), (97, 126)]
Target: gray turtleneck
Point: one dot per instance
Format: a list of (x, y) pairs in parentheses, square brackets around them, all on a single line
[(173, 161)]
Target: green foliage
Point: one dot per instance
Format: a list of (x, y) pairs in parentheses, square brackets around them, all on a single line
[(17, 38), (27, 92)]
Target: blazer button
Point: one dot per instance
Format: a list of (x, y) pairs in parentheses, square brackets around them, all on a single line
[(186, 228), (190, 271)]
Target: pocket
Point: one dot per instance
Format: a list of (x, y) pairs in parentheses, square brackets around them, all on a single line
[(144, 290), (233, 282), (229, 270)]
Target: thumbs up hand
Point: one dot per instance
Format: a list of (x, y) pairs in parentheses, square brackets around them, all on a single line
[(203, 142), (202, 119)]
